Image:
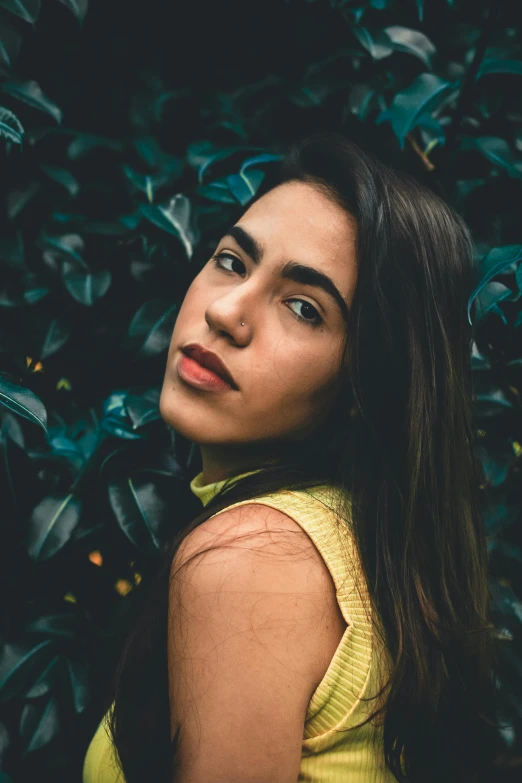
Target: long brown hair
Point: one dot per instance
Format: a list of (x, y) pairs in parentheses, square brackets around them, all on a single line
[(400, 444)]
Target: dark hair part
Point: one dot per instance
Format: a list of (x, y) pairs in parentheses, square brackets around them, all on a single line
[(400, 443)]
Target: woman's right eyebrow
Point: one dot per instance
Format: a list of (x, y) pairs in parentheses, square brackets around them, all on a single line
[(246, 242), (300, 273)]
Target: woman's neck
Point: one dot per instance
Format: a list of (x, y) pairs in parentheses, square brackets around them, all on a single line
[(220, 462)]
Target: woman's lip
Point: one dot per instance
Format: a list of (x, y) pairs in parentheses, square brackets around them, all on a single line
[(200, 377), (210, 360)]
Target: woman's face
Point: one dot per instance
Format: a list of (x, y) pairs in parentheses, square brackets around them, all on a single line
[(287, 357)]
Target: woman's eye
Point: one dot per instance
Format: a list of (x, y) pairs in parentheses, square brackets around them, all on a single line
[(304, 311), (221, 260), (307, 313)]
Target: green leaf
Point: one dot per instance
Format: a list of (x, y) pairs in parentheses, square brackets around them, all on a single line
[(34, 291), (151, 326), (87, 226), (17, 662), (257, 160), (131, 221), (27, 10), (145, 457), (379, 46), (497, 261), (45, 681), (22, 401), (500, 313), (57, 334), (39, 723), (198, 152), (86, 287), (77, 677), (139, 509), (431, 130), (85, 142), (69, 245), (506, 549), (518, 277), (244, 186), (360, 99), (489, 297), (219, 190), (12, 429), (499, 516), (51, 525), (61, 444), (497, 65), (143, 409), (496, 464), (466, 186), (78, 7), (147, 183), (116, 420), (423, 96), (10, 42), (62, 625), (12, 250), (233, 189), (170, 166), (143, 182), (9, 299), (496, 150), (119, 429), (31, 93), (20, 196), (63, 177), (63, 447), (478, 360), (18, 469), (10, 126), (412, 42), (176, 218), (205, 153), (515, 661), (420, 9), (214, 157)]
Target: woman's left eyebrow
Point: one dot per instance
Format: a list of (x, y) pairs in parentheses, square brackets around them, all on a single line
[(299, 273), (307, 275)]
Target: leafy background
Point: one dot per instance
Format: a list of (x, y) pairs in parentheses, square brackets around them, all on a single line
[(129, 139)]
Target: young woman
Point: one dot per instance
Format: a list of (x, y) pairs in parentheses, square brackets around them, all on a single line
[(326, 617)]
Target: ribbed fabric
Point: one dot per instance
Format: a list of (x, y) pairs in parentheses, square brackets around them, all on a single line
[(331, 752)]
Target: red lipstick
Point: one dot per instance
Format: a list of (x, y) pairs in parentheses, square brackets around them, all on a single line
[(203, 369)]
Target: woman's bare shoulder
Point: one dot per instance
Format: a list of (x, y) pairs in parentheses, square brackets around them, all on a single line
[(264, 551), (251, 612), (263, 527)]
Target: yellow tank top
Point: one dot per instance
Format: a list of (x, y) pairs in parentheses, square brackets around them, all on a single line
[(330, 752)]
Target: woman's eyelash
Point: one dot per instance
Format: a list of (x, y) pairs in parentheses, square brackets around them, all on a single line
[(316, 320), (217, 260)]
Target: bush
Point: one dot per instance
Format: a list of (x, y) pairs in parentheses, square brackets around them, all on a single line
[(129, 141)]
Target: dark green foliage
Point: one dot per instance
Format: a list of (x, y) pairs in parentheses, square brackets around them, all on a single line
[(130, 139)]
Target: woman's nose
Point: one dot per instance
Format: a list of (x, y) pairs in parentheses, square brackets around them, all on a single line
[(227, 314)]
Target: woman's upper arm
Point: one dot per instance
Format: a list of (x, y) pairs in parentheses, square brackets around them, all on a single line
[(245, 646)]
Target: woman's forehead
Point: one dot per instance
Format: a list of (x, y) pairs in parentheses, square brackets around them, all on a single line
[(297, 222), (301, 203)]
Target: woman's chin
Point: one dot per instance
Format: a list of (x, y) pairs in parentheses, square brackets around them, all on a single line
[(193, 424), (184, 427)]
